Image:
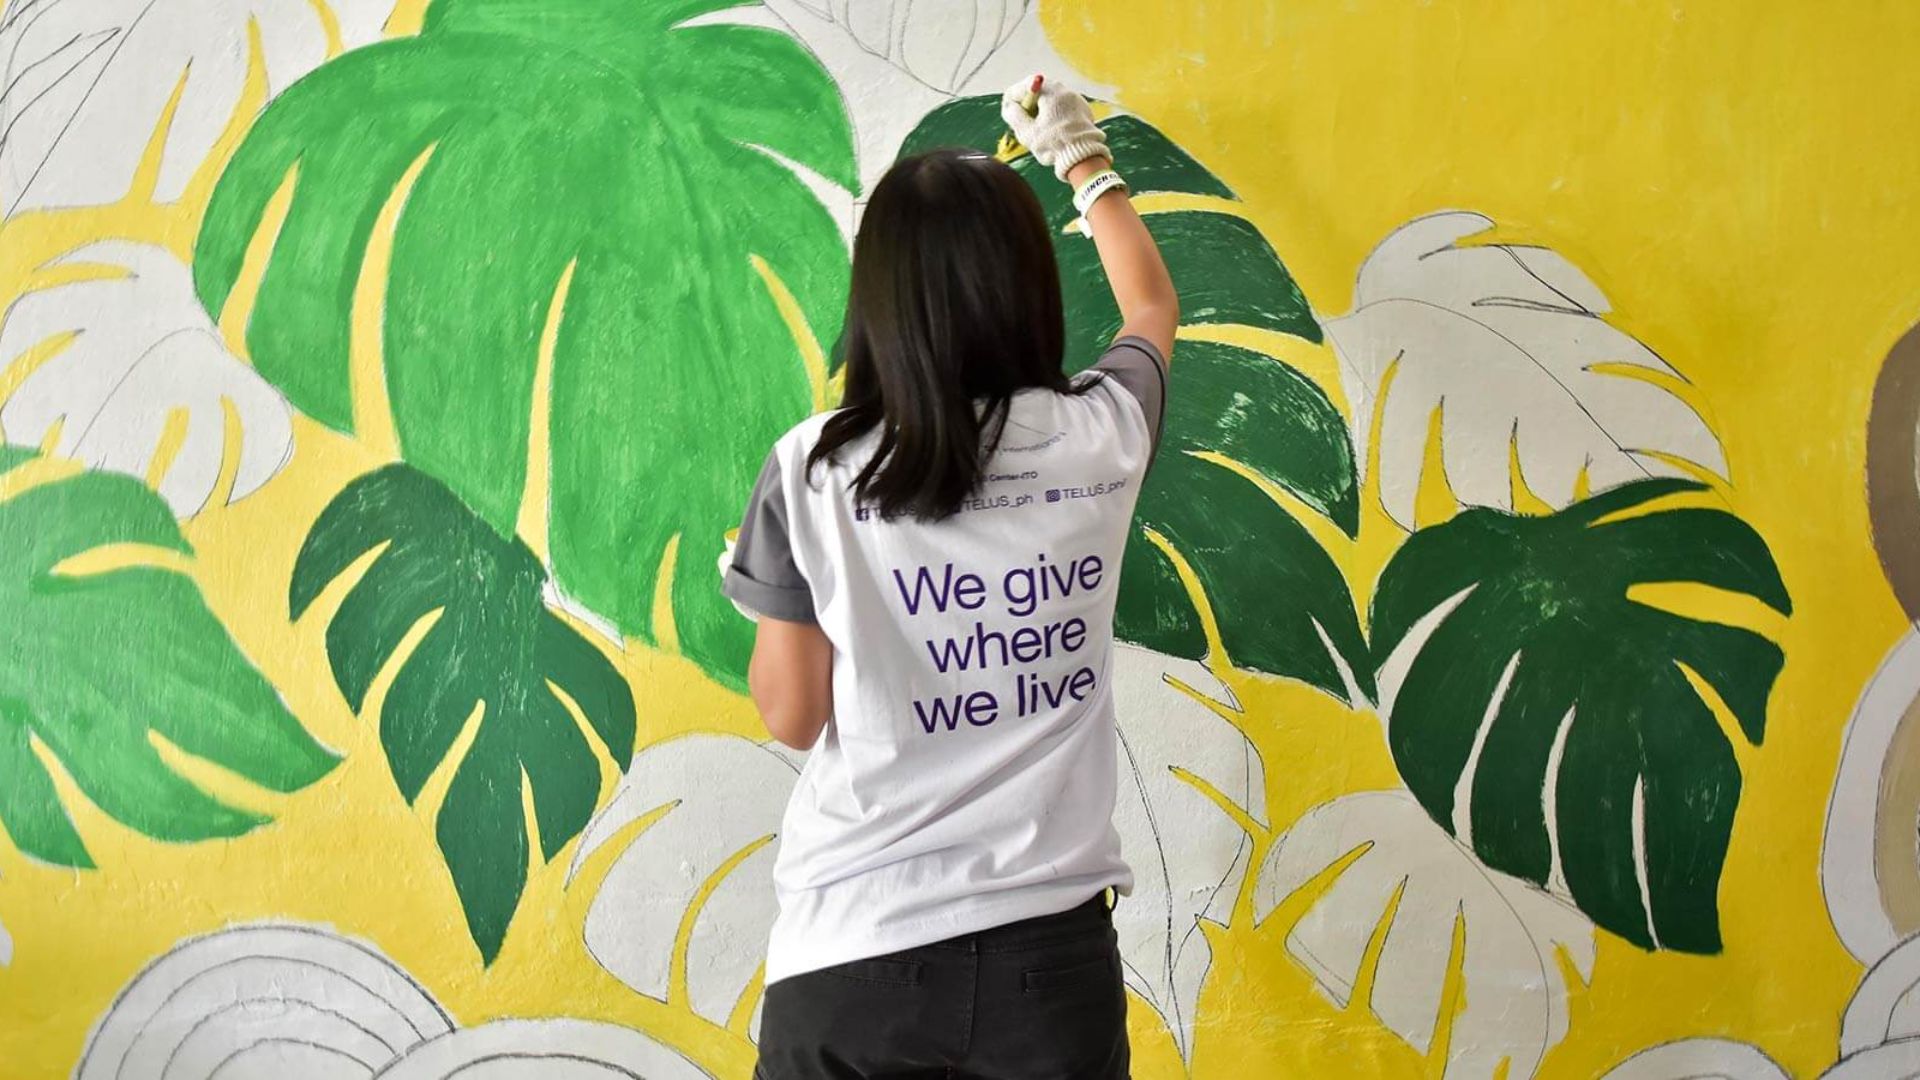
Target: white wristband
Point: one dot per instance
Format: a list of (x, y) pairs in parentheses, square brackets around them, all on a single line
[(1095, 186)]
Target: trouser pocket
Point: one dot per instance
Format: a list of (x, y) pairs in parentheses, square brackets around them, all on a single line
[(1060, 1012), (862, 1018), (880, 970), (1068, 976)]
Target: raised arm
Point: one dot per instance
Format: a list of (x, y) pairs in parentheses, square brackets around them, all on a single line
[(1061, 133), (1149, 308)]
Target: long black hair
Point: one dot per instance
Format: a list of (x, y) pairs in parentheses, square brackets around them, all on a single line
[(955, 306)]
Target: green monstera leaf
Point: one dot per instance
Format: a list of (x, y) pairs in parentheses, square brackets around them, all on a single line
[(652, 161), (1291, 613), (492, 647), (1546, 717), (103, 668)]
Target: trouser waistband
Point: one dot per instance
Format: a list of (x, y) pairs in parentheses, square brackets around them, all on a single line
[(1094, 912)]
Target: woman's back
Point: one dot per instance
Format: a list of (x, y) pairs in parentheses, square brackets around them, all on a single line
[(935, 565), (967, 778)]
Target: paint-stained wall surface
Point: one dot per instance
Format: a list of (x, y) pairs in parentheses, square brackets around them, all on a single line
[(1519, 674)]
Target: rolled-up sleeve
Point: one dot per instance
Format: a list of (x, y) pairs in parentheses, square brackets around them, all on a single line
[(764, 577)]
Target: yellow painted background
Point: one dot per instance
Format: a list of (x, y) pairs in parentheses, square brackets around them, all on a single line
[(1738, 177)]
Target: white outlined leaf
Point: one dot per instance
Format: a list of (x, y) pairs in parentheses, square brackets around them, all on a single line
[(84, 84), (1699, 1059), (299, 1002), (295, 1002), (897, 60), (1869, 869), (1189, 858), (940, 44), (1503, 341), (1515, 993), (141, 349), (552, 1049), (726, 796), (1885, 1007)]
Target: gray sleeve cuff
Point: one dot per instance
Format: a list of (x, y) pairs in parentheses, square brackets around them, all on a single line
[(763, 576), (786, 603)]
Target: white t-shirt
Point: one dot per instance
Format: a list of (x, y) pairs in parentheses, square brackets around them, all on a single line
[(967, 777)]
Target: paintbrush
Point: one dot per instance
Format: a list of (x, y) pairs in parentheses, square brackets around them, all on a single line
[(1010, 147)]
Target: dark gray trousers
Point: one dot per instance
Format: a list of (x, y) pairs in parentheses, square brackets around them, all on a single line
[(1039, 999)]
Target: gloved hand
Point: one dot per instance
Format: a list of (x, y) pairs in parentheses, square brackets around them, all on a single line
[(1061, 133)]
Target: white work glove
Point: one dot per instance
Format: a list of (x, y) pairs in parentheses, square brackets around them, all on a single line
[(1061, 133), (725, 564)]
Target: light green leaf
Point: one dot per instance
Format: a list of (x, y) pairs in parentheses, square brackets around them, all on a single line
[(101, 667), (569, 133), (1288, 599)]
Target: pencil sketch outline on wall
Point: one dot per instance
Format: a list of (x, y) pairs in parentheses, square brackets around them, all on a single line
[(884, 90), (1508, 345), (303, 1002), (85, 85)]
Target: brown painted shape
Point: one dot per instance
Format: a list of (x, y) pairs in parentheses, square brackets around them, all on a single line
[(1896, 825), (1893, 472)]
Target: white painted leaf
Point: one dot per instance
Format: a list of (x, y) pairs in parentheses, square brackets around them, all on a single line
[(1188, 857), (143, 347), (1894, 1061), (1868, 866), (1886, 1005), (549, 1049), (940, 44), (6, 946), (727, 796), (1503, 341), (84, 85), (1515, 995), (897, 60), (1698, 1059), (280, 1001)]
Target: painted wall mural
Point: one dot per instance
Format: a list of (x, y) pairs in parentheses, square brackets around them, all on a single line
[(1519, 650)]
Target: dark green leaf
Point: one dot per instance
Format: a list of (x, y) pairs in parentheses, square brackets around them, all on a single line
[(1267, 416), (1530, 632), (1225, 270), (100, 666), (495, 646), (1243, 405), (1270, 583), (1151, 161), (568, 133)]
